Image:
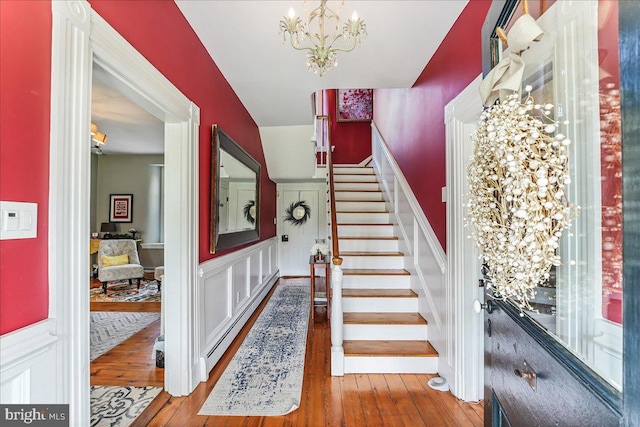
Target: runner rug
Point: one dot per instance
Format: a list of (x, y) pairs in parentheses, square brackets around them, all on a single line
[(110, 328), (119, 406), (265, 375)]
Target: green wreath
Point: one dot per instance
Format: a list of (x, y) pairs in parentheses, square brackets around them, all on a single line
[(250, 215), (297, 213)]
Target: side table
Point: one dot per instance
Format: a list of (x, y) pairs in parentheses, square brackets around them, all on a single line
[(326, 263)]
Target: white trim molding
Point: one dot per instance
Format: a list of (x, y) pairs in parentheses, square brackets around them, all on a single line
[(465, 327), (28, 361), (231, 288), (80, 39)]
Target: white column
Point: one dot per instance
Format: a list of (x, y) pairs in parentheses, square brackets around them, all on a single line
[(337, 352)]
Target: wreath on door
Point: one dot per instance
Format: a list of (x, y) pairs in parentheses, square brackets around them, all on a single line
[(297, 213), (250, 211)]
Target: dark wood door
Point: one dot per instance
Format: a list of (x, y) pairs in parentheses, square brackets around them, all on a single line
[(557, 396), (534, 375)]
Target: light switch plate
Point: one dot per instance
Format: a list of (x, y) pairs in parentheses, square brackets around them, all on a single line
[(18, 220), (444, 194)]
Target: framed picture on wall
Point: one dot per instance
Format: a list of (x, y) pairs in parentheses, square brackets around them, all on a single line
[(121, 208), (354, 105)]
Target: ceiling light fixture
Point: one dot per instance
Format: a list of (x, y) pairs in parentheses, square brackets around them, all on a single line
[(98, 137), (321, 55)]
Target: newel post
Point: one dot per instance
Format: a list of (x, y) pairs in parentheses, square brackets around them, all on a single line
[(337, 352)]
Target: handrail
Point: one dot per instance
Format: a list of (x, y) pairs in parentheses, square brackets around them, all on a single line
[(337, 317), (334, 221)]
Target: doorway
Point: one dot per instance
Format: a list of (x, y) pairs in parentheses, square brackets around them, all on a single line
[(81, 37), (296, 239), (127, 157)]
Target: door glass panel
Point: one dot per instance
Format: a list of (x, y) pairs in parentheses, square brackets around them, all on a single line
[(576, 67)]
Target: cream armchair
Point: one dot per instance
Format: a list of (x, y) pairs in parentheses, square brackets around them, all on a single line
[(118, 260)]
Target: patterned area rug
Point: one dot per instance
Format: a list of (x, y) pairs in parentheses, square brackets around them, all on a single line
[(265, 376), (123, 292), (110, 328), (119, 406)]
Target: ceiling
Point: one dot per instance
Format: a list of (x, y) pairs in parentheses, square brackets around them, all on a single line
[(271, 79)]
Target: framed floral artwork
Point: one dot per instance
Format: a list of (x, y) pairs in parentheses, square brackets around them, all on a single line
[(354, 105), (120, 208)]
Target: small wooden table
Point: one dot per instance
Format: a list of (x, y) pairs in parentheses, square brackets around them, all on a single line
[(326, 263)]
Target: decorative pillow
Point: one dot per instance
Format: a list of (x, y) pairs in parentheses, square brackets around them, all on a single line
[(111, 261)]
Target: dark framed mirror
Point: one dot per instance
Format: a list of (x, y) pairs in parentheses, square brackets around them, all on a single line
[(235, 194)]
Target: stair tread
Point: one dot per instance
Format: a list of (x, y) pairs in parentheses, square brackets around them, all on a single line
[(371, 254), (364, 224), (388, 348), (384, 319), (367, 238), (359, 201), (364, 212), (355, 182), (357, 191), (375, 272), (378, 293)]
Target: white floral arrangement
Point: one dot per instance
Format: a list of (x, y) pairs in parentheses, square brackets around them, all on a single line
[(319, 247), (517, 203)]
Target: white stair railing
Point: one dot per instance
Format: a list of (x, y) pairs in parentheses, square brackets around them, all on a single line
[(336, 317), (337, 351)]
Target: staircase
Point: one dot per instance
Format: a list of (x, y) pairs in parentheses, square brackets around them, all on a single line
[(382, 329)]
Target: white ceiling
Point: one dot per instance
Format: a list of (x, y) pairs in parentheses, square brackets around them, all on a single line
[(271, 79), (130, 129)]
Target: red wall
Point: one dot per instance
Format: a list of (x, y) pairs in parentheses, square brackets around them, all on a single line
[(159, 31), (25, 83), (351, 139), (412, 120)]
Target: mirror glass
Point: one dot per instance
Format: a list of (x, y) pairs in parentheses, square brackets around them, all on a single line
[(234, 193)]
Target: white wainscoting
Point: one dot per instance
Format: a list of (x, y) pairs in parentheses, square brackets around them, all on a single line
[(29, 360), (424, 257), (230, 288)]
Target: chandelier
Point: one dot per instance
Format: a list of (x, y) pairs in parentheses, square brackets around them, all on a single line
[(311, 36)]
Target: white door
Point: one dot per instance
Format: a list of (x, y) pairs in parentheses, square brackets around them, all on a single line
[(296, 240)]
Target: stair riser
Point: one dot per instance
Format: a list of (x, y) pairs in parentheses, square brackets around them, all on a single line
[(365, 231), (372, 261), (379, 305), (355, 178), (351, 245), (360, 206), (386, 332), (352, 171), (356, 186), (358, 195), (390, 365), (376, 282), (362, 218)]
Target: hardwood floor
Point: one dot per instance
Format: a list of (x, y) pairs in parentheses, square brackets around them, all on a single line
[(352, 400), (130, 362)]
